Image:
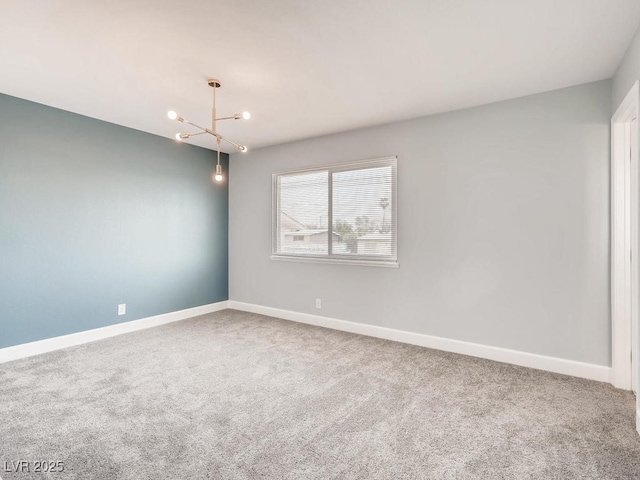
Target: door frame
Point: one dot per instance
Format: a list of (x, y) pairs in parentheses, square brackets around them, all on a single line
[(624, 243)]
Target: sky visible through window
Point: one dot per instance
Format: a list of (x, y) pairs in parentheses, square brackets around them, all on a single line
[(304, 197), (356, 193)]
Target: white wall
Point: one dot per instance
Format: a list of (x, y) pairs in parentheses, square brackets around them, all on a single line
[(628, 71), (503, 218)]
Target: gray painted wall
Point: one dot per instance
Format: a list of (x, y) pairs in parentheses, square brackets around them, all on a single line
[(94, 214), (503, 218), (628, 71)]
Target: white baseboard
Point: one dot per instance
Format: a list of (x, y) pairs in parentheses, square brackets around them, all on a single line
[(531, 360), (56, 343), (524, 359)]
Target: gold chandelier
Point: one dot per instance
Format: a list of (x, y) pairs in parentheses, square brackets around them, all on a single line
[(215, 84)]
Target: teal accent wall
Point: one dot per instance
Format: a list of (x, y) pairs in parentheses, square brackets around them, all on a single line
[(94, 214)]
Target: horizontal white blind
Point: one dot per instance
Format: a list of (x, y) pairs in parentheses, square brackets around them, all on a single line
[(344, 211), (304, 213)]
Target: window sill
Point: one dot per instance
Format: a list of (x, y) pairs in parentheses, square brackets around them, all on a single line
[(337, 261)]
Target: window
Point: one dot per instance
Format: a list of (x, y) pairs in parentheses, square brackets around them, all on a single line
[(358, 201)]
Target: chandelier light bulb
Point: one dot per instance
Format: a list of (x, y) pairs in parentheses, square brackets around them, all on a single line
[(172, 115), (243, 148), (246, 115), (218, 175), (178, 137)]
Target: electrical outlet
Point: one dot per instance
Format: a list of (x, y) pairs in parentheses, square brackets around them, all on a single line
[(122, 309), (318, 303)]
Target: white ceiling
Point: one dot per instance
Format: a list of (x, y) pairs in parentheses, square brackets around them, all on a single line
[(303, 68)]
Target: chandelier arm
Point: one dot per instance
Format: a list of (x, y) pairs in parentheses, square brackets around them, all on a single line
[(237, 145), (196, 125)]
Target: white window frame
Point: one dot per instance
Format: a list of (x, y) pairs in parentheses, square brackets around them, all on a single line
[(369, 260)]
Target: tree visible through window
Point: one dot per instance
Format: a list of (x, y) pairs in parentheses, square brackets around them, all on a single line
[(339, 212)]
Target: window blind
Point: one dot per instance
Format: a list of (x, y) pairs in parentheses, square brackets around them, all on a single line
[(343, 212)]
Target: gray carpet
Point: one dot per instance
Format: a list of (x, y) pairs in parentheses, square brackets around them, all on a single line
[(233, 395)]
